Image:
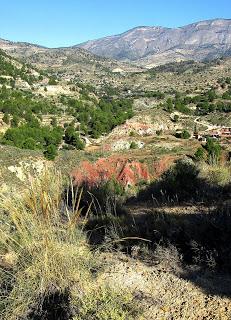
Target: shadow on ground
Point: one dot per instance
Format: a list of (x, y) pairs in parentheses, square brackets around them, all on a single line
[(183, 212), (201, 240)]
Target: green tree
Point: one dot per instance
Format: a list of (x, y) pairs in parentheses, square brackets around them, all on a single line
[(69, 133), (169, 105), (52, 81), (73, 138), (51, 152), (6, 118), (15, 121), (159, 132), (185, 134), (54, 122), (77, 142), (133, 145), (175, 118), (29, 143)]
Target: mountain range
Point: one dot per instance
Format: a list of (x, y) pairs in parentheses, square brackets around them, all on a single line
[(144, 46), (147, 46)]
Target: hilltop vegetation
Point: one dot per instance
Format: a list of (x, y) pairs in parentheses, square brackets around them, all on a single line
[(11, 69)]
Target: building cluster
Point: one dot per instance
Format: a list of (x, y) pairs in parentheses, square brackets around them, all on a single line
[(223, 133)]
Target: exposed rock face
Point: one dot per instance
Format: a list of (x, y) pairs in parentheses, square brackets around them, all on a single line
[(127, 172), (26, 169), (157, 45), (125, 145)]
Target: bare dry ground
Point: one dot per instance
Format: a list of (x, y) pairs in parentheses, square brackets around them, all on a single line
[(162, 294)]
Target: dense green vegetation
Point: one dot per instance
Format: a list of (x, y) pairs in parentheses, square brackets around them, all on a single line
[(28, 137), (178, 103), (23, 111), (211, 101), (73, 138), (24, 104), (101, 118)]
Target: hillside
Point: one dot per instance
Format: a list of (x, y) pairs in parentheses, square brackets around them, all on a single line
[(151, 46), (115, 186), (69, 62)]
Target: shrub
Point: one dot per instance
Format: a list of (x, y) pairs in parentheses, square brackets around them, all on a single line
[(200, 154), (218, 175), (168, 258), (15, 121), (104, 198), (179, 183), (54, 122), (159, 132), (6, 118), (181, 179), (51, 152), (78, 143), (175, 118), (73, 138), (132, 134), (133, 145), (185, 134), (52, 81)]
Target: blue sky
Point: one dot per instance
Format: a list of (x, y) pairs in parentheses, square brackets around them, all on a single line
[(55, 23)]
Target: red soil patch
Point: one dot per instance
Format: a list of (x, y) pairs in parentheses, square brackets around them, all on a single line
[(126, 171)]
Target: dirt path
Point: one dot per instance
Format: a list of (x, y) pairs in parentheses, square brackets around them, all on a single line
[(205, 124)]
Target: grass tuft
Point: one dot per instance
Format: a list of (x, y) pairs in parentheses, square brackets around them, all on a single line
[(45, 255)]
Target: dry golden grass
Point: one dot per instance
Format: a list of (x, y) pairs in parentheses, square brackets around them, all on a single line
[(216, 174), (43, 250)]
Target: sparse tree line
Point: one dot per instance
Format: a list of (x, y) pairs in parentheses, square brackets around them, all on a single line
[(7, 68), (207, 102)]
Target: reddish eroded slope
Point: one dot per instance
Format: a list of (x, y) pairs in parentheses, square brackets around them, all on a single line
[(126, 171)]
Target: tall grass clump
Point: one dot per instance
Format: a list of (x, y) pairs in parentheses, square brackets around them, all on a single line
[(219, 174), (45, 261)]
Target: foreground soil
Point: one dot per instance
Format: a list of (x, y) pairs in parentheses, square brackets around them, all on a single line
[(162, 294)]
